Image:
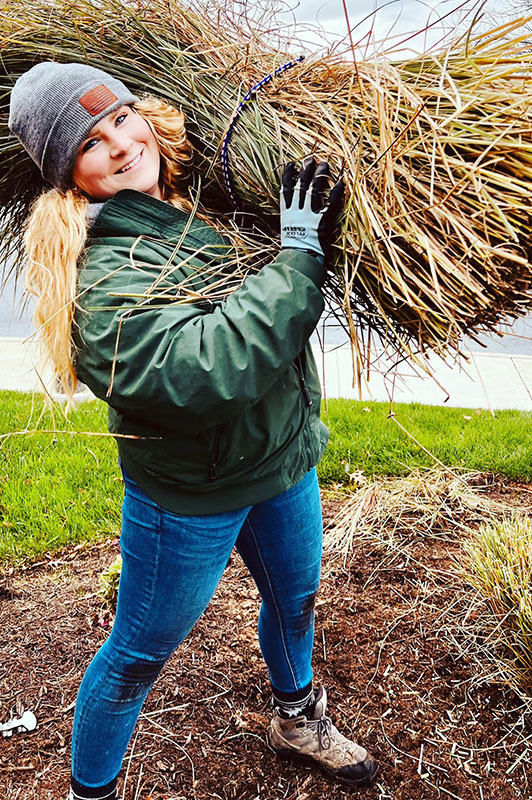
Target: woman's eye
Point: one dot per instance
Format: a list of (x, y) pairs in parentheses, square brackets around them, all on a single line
[(120, 118), (88, 145)]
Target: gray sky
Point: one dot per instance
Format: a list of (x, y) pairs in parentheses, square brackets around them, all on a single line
[(389, 21)]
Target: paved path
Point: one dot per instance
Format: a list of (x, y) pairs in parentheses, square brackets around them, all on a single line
[(18, 365), (498, 375), (491, 381)]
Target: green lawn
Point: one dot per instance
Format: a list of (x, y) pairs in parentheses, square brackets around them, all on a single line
[(363, 435), (55, 490), (61, 489)]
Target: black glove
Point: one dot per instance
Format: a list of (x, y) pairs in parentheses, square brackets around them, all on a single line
[(308, 216)]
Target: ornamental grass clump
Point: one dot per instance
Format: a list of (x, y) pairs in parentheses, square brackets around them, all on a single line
[(396, 513), (436, 151), (500, 569)]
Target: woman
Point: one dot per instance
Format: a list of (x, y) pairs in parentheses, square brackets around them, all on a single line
[(215, 406)]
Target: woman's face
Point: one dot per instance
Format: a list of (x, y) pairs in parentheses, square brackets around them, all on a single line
[(120, 152)]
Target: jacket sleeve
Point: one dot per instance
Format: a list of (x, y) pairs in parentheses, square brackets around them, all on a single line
[(186, 366)]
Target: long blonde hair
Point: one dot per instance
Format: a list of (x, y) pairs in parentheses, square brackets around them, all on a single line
[(56, 233)]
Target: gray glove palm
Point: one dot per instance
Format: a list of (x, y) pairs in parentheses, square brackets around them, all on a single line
[(308, 215)]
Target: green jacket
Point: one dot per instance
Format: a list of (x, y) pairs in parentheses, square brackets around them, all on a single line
[(224, 398)]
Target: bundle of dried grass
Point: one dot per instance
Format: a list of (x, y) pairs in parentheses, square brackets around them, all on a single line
[(396, 512), (436, 151)]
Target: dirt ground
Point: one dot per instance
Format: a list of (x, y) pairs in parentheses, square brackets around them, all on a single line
[(395, 683)]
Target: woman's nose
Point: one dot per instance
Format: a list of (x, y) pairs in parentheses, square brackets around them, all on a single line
[(118, 145)]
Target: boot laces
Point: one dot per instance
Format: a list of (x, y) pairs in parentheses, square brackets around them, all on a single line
[(323, 727)]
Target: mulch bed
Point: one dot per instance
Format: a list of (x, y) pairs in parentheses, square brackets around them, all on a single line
[(394, 679)]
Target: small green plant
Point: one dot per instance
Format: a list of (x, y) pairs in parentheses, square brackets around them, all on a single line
[(501, 571), (109, 580)]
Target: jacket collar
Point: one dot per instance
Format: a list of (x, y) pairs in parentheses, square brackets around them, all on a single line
[(135, 213)]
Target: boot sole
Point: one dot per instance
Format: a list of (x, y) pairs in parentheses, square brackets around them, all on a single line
[(299, 758)]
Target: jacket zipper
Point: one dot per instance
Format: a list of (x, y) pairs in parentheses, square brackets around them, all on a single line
[(217, 454), (303, 385)]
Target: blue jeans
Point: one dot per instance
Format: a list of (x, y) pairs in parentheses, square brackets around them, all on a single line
[(171, 567)]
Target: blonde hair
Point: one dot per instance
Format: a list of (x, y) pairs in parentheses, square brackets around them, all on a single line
[(56, 233)]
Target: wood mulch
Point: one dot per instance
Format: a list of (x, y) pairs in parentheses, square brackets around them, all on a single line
[(395, 682)]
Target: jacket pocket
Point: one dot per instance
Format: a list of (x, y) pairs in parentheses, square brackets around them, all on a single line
[(216, 451), (298, 366)]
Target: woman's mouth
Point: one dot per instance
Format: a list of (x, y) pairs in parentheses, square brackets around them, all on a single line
[(130, 164)]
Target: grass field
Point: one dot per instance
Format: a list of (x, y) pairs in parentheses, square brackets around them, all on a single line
[(365, 437), (55, 489), (59, 489)]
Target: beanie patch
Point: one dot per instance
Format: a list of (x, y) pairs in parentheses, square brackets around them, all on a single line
[(98, 99)]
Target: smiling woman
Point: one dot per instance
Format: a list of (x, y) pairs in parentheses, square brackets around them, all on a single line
[(120, 152), (215, 405)]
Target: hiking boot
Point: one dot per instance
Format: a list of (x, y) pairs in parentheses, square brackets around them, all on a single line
[(317, 741)]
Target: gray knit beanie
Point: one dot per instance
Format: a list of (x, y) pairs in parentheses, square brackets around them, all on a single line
[(53, 108)]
